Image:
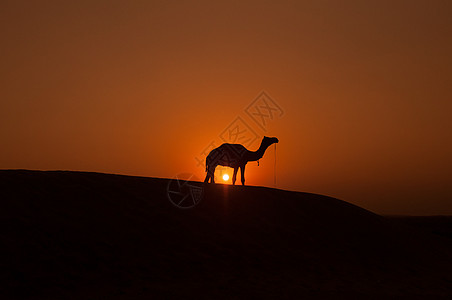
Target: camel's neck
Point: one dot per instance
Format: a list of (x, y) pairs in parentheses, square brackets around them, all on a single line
[(256, 155)]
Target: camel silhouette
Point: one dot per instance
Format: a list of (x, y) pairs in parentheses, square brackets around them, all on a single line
[(235, 156)]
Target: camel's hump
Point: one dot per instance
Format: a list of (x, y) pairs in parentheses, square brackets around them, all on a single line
[(236, 147)]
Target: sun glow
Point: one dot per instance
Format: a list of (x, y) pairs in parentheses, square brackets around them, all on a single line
[(225, 177)]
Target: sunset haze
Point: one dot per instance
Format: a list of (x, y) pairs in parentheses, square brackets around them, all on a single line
[(143, 87)]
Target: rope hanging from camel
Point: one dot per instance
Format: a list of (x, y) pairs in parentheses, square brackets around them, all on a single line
[(274, 169)]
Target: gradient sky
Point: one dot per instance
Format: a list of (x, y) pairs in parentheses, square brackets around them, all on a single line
[(143, 87)]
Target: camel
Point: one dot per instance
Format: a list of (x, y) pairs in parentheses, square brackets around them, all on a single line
[(235, 156)]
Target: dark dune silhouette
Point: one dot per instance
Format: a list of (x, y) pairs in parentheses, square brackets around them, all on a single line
[(77, 235), (438, 225), (235, 156)]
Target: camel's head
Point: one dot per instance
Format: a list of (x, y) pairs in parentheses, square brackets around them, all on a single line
[(269, 140)]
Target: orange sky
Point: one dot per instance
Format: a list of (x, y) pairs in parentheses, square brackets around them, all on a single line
[(142, 87)]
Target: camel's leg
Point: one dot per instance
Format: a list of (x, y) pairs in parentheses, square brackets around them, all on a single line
[(209, 175), (234, 176), (242, 173), (212, 173)]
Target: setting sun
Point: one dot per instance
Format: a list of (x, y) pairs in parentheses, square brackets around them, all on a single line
[(225, 177)]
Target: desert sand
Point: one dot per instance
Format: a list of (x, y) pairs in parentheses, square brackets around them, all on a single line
[(79, 235)]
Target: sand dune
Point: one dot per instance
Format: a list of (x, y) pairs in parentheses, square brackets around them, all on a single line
[(84, 235)]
